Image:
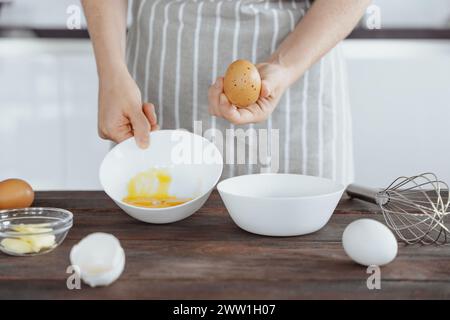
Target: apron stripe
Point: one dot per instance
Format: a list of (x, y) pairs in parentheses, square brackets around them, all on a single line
[(195, 64), (334, 114), (273, 48), (149, 49), (215, 52), (305, 123), (138, 36), (349, 173), (131, 37), (287, 141), (178, 63), (305, 117), (347, 128), (251, 146), (320, 119), (344, 133), (235, 56), (162, 63), (128, 49)]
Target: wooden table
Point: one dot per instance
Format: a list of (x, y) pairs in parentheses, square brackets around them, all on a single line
[(206, 256)]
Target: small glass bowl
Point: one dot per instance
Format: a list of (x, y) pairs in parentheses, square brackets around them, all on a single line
[(33, 231)]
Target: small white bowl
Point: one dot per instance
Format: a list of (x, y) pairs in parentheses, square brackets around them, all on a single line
[(194, 163), (280, 204)]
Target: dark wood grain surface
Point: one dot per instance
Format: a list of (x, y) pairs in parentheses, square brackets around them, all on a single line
[(206, 256)]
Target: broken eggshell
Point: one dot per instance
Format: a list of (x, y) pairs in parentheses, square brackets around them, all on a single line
[(100, 259)]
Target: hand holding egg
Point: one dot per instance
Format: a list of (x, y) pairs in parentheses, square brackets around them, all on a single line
[(241, 98)]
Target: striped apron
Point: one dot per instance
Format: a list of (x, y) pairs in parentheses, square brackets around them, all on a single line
[(177, 48)]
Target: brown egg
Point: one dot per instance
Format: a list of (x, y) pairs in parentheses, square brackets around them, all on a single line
[(242, 83), (15, 193)]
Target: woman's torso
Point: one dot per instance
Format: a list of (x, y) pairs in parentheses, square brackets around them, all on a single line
[(176, 49)]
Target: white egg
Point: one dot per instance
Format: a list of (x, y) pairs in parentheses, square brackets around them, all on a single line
[(369, 242), (100, 259)]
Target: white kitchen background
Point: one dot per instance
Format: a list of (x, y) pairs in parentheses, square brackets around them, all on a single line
[(399, 90)]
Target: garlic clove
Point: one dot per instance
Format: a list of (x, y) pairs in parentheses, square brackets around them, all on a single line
[(100, 258), (39, 242), (35, 238), (32, 228), (16, 246)]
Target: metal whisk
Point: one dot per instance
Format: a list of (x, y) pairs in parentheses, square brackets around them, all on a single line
[(413, 207)]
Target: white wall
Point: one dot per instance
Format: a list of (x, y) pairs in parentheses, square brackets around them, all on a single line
[(48, 131), (414, 13), (400, 94), (41, 13), (36, 13)]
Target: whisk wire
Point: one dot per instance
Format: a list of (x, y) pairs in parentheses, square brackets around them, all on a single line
[(415, 208)]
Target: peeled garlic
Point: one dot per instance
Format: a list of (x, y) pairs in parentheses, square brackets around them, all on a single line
[(100, 259), (29, 238), (40, 241), (32, 228), (16, 246)]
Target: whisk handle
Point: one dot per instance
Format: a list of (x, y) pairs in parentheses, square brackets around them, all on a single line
[(362, 193)]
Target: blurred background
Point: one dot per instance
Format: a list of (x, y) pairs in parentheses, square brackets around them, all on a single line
[(399, 69)]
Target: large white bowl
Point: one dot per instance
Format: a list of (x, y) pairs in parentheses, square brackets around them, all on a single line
[(280, 204), (194, 163)]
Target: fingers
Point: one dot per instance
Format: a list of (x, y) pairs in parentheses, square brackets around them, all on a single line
[(149, 112), (214, 93), (257, 112), (226, 109), (137, 122), (220, 106), (141, 127), (266, 89), (115, 133), (241, 116), (270, 76), (123, 134)]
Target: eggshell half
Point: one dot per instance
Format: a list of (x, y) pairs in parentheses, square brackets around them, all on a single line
[(242, 83), (100, 259)]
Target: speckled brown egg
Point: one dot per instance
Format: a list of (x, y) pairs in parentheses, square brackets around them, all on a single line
[(15, 193), (242, 83)]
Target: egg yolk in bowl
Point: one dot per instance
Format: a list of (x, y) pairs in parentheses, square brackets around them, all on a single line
[(150, 189)]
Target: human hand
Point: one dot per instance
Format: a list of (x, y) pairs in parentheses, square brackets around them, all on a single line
[(121, 113), (273, 85)]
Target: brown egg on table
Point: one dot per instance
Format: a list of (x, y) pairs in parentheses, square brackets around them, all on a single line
[(15, 193), (242, 83)]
